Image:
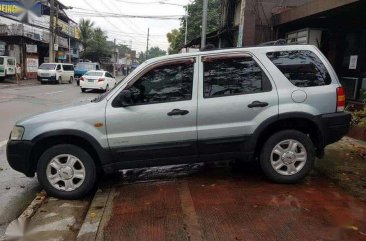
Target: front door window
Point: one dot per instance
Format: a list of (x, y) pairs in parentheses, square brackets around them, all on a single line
[(168, 83)]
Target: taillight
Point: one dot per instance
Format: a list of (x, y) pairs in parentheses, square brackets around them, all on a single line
[(101, 80), (82, 79), (341, 99)]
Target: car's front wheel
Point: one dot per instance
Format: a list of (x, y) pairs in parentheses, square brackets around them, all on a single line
[(67, 172), (287, 156)]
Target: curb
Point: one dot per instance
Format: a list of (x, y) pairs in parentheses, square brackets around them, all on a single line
[(93, 219), (17, 228), (10, 85)]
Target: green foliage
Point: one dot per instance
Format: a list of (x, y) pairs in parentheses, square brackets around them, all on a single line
[(97, 46), (176, 40), (141, 57), (176, 37), (155, 52), (359, 118), (86, 31)]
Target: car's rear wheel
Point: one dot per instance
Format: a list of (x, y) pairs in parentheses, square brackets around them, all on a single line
[(71, 80), (66, 171), (107, 88), (287, 156)]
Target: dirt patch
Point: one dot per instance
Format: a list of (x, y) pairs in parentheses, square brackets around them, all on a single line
[(345, 163)]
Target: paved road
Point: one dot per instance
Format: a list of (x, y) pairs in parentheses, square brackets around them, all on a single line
[(17, 103)]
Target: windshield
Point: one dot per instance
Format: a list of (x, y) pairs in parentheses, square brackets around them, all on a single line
[(87, 66), (94, 73), (48, 66)]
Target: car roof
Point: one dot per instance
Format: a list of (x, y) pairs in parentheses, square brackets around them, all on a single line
[(262, 49), (101, 71)]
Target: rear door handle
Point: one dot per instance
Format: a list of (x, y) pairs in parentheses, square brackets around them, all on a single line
[(178, 112), (257, 104)]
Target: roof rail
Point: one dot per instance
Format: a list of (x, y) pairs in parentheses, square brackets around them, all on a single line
[(274, 43)]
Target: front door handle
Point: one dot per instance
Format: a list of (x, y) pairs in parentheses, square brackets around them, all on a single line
[(178, 112), (255, 104)]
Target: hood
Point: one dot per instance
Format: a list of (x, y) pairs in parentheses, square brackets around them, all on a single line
[(75, 112)]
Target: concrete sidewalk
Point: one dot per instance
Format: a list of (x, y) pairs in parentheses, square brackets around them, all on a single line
[(13, 83)]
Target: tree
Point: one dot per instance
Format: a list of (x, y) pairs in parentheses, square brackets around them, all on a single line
[(155, 52), (98, 46), (176, 39), (194, 23), (86, 31)]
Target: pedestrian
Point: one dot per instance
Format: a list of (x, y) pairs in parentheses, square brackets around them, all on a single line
[(18, 73)]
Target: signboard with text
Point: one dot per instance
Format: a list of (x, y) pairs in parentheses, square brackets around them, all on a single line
[(32, 65), (31, 48)]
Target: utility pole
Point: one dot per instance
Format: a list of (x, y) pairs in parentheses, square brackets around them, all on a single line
[(241, 24), (51, 43), (204, 24), (186, 34), (147, 43), (69, 30), (115, 57)]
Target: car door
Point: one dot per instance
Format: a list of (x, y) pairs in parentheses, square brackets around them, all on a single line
[(235, 97), (161, 122), (110, 79)]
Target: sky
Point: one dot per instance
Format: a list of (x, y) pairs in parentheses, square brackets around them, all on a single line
[(130, 31)]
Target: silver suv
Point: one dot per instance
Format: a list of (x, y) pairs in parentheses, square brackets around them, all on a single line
[(279, 105)]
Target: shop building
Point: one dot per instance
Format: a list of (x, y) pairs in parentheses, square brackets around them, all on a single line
[(24, 34)]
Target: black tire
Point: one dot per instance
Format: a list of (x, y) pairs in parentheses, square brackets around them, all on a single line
[(71, 80), (265, 156), (83, 90), (59, 81), (106, 88), (84, 157)]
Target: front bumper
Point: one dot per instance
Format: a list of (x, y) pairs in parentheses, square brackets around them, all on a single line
[(46, 79), (335, 126), (19, 156)]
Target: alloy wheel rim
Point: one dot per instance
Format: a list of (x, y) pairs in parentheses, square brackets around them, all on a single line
[(66, 172), (288, 157)]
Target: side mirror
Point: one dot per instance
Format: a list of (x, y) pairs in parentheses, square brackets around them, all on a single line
[(125, 98)]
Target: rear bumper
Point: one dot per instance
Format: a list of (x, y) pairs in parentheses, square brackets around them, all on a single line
[(335, 126), (19, 156)]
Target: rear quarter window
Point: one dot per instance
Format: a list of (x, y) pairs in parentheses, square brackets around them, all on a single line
[(68, 67), (302, 68)]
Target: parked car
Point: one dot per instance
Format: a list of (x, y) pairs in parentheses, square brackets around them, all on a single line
[(97, 80), (7, 67), (278, 105), (83, 67), (55, 73)]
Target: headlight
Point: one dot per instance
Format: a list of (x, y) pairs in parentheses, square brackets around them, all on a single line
[(17, 133)]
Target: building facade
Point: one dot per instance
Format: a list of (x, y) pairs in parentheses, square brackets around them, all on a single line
[(338, 28), (24, 34)]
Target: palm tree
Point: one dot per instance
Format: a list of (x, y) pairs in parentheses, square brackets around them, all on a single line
[(86, 31)]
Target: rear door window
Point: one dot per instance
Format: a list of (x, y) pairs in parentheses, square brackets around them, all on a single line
[(238, 75), (302, 68)]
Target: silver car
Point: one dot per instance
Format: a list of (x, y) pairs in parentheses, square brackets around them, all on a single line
[(278, 105)]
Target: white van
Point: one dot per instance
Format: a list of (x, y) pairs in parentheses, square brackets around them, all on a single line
[(56, 73), (7, 66)]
